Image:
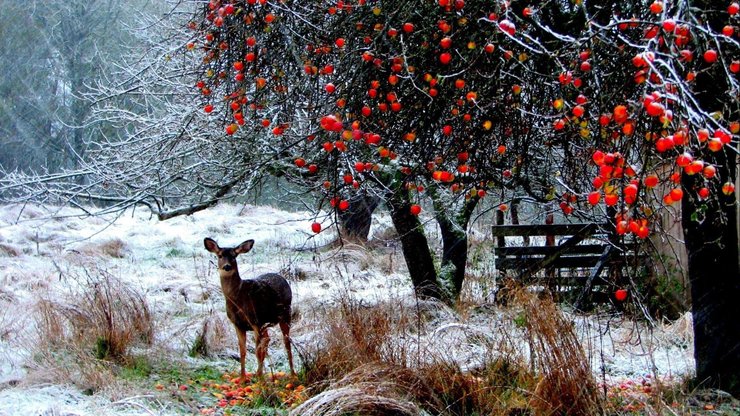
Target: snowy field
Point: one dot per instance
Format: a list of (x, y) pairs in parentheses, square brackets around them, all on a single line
[(42, 248)]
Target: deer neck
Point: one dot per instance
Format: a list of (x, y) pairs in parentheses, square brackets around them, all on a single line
[(231, 283)]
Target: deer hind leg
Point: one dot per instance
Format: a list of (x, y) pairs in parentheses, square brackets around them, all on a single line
[(242, 336), (262, 339), (285, 328)]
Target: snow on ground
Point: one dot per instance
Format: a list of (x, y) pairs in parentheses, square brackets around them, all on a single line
[(40, 247)]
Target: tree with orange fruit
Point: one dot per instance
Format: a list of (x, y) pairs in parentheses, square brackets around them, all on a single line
[(614, 110), (445, 101), (373, 102)]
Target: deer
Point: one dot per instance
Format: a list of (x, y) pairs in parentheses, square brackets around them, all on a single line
[(253, 304)]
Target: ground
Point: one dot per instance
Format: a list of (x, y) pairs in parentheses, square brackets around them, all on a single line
[(47, 254)]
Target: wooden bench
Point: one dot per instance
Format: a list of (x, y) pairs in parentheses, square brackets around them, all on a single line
[(573, 255), (569, 253)]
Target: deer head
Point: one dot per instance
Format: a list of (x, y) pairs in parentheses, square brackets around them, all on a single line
[(227, 267)]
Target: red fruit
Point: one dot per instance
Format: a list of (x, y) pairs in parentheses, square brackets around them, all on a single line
[(343, 205), (630, 191), (527, 12), (714, 144), (594, 197), (300, 162), (598, 157), (651, 181), (208, 108), (415, 209), (735, 67), (669, 25), (231, 128), (408, 27), (611, 199), (676, 194), (703, 193), (565, 78), (733, 8), (656, 7), (339, 42), (684, 159), (585, 66), (728, 31), (620, 295), (316, 227), (445, 58), (655, 109), (330, 88), (489, 48), (728, 188), (710, 56), (447, 130), (507, 26), (578, 111), (620, 114)]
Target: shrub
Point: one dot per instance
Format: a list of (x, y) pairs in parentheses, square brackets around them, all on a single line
[(96, 321)]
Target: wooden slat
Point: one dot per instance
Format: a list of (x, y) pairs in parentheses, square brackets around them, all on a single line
[(543, 229), (562, 262), (543, 251), (561, 249), (595, 272)]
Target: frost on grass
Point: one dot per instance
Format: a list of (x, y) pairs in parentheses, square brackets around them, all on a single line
[(167, 263)]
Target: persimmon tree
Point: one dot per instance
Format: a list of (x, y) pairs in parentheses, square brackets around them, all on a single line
[(614, 110), (377, 98), (597, 106)]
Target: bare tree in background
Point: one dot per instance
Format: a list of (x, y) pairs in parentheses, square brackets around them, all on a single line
[(51, 51)]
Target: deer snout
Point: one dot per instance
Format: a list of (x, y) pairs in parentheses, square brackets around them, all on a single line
[(227, 267)]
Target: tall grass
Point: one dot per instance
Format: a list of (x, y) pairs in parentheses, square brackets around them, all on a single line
[(94, 323), (389, 358), (566, 384)]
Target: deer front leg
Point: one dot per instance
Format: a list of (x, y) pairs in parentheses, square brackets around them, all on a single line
[(242, 336), (285, 328), (262, 339)]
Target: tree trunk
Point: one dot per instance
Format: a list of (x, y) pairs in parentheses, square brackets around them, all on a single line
[(715, 289), (712, 244), (415, 248), (357, 218), (454, 254)]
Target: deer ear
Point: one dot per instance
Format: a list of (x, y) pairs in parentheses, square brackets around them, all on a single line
[(211, 245), (244, 247)]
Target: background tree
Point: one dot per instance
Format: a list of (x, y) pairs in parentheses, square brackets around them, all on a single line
[(51, 50)]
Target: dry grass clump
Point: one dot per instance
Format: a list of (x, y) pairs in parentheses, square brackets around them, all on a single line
[(9, 251), (567, 385), (113, 248), (211, 337), (354, 334), (94, 323), (356, 399), (383, 359)]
